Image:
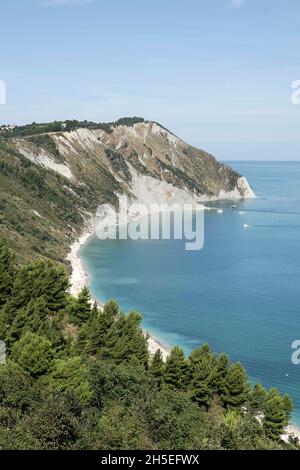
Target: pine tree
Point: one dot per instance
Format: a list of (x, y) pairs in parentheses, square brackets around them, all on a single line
[(219, 374), (288, 407), (34, 353), (288, 404), (82, 344), (31, 318), (200, 354), (201, 386), (138, 342), (40, 278), (51, 329), (236, 387), (258, 398), (111, 309), (176, 369), (100, 326), (81, 311), (156, 368), (130, 341), (95, 310), (113, 343), (14, 332), (275, 418), (70, 375)]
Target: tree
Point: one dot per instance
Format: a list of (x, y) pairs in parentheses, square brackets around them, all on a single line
[(39, 278), (114, 340), (70, 376), (54, 427), (219, 374), (258, 398), (203, 353), (34, 353), (130, 342), (176, 369), (236, 387), (238, 431), (288, 406), (111, 309), (52, 329), (124, 383), (81, 311), (275, 418), (98, 328), (201, 386), (156, 368), (16, 387), (175, 422), (198, 354), (32, 317), (121, 427)]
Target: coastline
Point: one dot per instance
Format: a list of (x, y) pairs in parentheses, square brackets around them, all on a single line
[(79, 278), (291, 431)]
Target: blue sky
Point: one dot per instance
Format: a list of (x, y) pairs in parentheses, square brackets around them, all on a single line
[(217, 73)]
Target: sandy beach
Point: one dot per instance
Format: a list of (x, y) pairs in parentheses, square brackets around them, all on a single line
[(154, 344), (291, 431), (79, 278)]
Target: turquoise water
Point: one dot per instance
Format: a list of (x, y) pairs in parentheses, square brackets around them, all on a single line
[(241, 293)]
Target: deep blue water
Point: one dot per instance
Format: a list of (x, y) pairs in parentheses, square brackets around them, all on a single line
[(241, 293)]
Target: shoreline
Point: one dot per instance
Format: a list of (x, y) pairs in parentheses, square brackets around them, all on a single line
[(291, 431), (79, 278)]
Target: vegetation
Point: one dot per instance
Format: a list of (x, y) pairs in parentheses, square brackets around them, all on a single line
[(67, 126), (46, 143), (52, 182), (41, 211), (77, 377)]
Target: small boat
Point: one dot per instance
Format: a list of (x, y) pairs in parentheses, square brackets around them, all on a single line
[(233, 206), (220, 211)]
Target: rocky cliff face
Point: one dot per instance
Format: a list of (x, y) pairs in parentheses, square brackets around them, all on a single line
[(52, 183)]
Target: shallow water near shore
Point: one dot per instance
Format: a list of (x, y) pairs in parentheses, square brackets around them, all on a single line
[(240, 293)]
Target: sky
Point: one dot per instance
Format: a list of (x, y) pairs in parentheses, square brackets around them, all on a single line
[(217, 73)]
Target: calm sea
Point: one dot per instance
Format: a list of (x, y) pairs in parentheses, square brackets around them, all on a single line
[(240, 294)]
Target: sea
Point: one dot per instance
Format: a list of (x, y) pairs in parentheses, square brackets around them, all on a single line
[(240, 293)]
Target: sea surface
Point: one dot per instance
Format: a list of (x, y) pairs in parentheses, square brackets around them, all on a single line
[(240, 293)]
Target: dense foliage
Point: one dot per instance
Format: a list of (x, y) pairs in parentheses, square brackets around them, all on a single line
[(80, 377), (66, 126)]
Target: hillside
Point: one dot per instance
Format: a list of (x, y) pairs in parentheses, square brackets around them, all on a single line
[(53, 177)]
